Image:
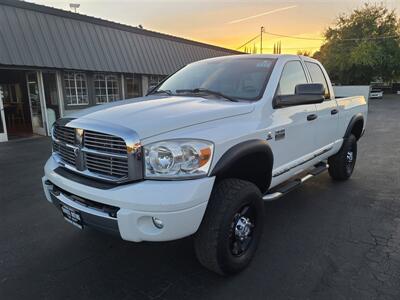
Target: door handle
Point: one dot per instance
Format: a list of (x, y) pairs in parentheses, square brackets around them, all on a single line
[(334, 111), (311, 117)]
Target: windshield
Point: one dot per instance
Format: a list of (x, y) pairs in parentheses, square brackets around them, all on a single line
[(237, 78)]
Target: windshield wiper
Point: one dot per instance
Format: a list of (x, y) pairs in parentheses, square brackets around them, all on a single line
[(168, 92), (207, 91)]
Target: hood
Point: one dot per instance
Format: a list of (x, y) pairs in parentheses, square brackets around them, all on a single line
[(150, 116)]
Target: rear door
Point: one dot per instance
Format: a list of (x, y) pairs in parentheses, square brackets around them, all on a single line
[(327, 111)]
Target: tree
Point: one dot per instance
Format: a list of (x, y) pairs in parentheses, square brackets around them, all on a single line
[(254, 49), (278, 47), (304, 53), (363, 46)]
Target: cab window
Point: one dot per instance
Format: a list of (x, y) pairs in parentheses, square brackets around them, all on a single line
[(317, 76), (292, 75)]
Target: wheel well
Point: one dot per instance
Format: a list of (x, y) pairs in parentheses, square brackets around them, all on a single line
[(253, 168), (251, 161), (357, 128)]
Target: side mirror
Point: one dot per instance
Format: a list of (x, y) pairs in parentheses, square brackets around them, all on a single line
[(308, 93)]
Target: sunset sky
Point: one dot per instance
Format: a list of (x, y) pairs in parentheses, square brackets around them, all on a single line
[(226, 23)]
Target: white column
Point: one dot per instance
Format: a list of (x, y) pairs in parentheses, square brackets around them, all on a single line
[(123, 86), (3, 135), (43, 106), (60, 93), (145, 84)]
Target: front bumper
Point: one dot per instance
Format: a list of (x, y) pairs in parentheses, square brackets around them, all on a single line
[(180, 205)]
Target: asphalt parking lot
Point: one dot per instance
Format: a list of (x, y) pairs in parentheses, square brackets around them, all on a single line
[(325, 240)]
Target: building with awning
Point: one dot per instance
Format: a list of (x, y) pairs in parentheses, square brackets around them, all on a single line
[(53, 62)]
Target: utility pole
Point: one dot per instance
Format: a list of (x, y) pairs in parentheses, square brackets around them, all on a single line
[(261, 40)]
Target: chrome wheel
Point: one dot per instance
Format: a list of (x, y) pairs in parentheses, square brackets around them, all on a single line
[(349, 157), (341, 165), (242, 228)]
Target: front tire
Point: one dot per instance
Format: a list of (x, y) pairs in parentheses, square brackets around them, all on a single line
[(231, 228), (341, 165)]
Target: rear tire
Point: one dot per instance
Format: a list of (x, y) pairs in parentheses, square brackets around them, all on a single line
[(341, 165), (231, 228)]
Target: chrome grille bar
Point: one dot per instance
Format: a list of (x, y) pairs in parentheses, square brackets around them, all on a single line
[(113, 166), (66, 153), (64, 134), (100, 160)]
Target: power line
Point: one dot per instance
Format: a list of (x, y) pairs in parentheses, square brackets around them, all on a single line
[(292, 48), (372, 38), (294, 37), (317, 39), (249, 41), (323, 39)]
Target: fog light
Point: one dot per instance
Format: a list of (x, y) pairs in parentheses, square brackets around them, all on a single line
[(157, 222)]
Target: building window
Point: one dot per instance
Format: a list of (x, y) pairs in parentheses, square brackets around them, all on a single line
[(106, 88), (75, 85), (133, 86), (154, 80)]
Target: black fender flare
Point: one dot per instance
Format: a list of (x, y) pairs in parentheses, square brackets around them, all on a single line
[(236, 153), (356, 118)]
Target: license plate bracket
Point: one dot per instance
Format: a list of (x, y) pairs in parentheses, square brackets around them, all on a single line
[(72, 216)]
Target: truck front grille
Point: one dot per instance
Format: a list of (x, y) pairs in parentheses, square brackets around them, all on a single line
[(99, 155), (112, 166), (66, 153), (64, 134), (104, 142)]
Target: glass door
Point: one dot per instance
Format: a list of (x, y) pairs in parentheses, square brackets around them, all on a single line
[(3, 129), (36, 105)]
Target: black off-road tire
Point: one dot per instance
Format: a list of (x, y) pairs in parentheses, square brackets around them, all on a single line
[(341, 165), (216, 243)]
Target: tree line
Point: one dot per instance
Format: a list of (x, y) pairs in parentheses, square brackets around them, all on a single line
[(363, 46)]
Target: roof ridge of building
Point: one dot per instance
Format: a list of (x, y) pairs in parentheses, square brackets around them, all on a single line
[(107, 23)]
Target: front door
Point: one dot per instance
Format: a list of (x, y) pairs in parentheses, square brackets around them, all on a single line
[(36, 105), (293, 134), (3, 129)]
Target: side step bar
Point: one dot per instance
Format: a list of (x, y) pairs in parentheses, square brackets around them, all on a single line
[(291, 185)]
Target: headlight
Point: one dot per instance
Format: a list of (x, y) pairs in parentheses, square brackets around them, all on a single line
[(176, 159)]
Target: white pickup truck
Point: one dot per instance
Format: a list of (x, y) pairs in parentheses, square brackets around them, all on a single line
[(202, 151)]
